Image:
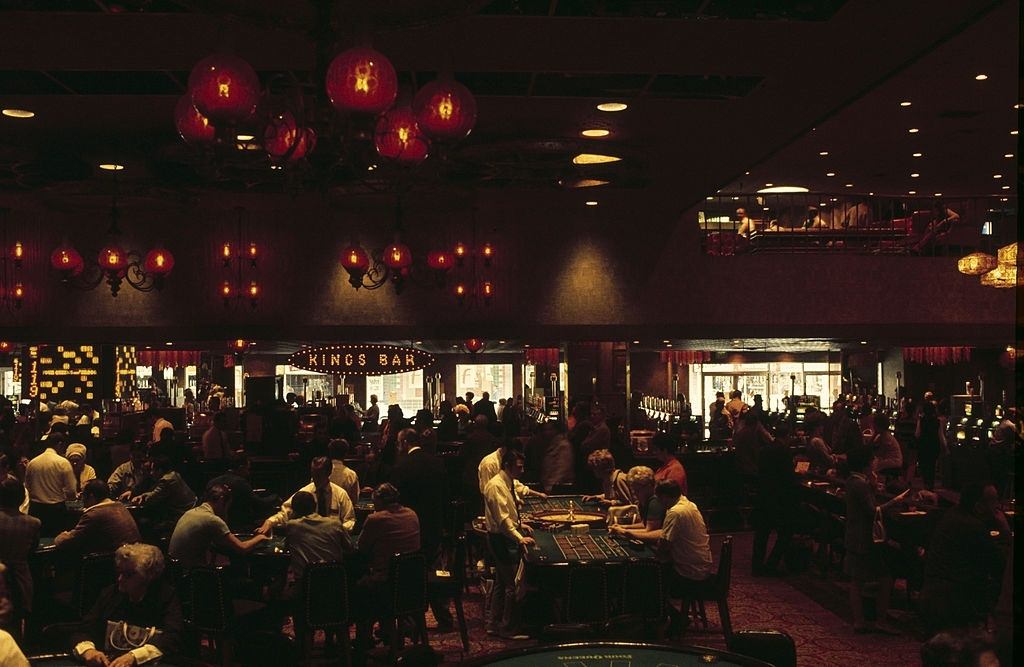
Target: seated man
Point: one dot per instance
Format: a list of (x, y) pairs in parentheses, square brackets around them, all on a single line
[(10, 652), (943, 219), (331, 499), (684, 542), (391, 529), (202, 528), (615, 488), (126, 477), (105, 524), (247, 509), (650, 510), (19, 536), (311, 538), (141, 600), (170, 498)]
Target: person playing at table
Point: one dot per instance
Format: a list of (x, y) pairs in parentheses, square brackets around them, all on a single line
[(10, 652), (490, 466), (615, 487), (865, 562), (19, 536), (341, 474), (216, 444), (203, 528), (556, 457), (963, 568), (331, 499), (125, 476), (8, 469), (170, 498), (105, 524), (76, 454), (507, 537), (663, 448), (311, 538), (684, 544), (140, 598), (651, 513), (888, 454)]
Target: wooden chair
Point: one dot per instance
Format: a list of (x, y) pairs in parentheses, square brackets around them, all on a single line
[(716, 589), (95, 572), (407, 598), (773, 647), (586, 604), (212, 610), (323, 604), (452, 586)]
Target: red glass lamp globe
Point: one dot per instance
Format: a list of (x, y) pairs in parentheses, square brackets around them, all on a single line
[(474, 345), (440, 260), (354, 258), (66, 258), (397, 256), (158, 262), (194, 127), (113, 258), (445, 109), (224, 88), (398, 137), (283, 138), (361, 80)]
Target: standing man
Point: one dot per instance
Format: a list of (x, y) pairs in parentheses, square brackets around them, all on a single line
[(507, 537), (50, 481), (490, 467), (747, 225), (19, 536), (485, 407), (216, 444), (331, 499), (372, 415)]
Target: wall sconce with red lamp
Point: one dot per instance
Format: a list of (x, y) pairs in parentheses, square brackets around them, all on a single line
[(12, 257), (474, 345), (240, 283), (239, 347)]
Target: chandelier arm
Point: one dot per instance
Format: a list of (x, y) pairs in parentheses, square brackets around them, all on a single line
[(89, 279), (378, 273), (138, 278)]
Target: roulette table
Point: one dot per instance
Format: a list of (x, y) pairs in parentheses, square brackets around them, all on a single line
[(564, 510), (615, 654), (551, 503), (595, 546)]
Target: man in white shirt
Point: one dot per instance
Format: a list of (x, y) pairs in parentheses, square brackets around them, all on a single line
[(159, 424), (506, 536), (331, 499), (50, 481), (490, 466), (341, 474), (684, 540)]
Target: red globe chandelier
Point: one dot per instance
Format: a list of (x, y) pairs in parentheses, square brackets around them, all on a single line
[(226, 106), (113, 263)]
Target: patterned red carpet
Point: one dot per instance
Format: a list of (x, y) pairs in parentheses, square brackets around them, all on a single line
[(823, 639)]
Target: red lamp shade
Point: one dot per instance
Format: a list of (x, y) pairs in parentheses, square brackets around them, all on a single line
[(158, 262), (398, 137), (67, 259), (445, 109), (283, 138), (239, 345), (474, 345), (113, 258), (194, 127), (355, 259), (224, 88), (361, 80), (440, 260), (397, 256)]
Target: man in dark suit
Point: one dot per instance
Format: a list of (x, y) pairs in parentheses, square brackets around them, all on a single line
[(485, 407), (478, 444), (104, 525), (421, 479)]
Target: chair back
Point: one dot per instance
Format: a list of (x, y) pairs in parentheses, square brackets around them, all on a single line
[(456, 518), (724, 575), (587, 597), (95, 572), (407, 582), (458, 565), (643, 591), (209, 601), (771, 646), (325, 603)]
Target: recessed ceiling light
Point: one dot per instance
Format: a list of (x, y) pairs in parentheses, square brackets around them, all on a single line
[(636, 342), (665, 341), (1003, 199), (587, 183), (419, 342), (917, 154), (913, 130), (18, 113), (1018, 105), (501, 342), (781, 189), (831, 173), (746, 173), (168, 343), (912, 192), (595, 132), (594, 158), (1013, 132), (1008, 155), (591, 203), (871, 194), (245, 137), (938, 194), (997, 175), (668, 344), (1006, 187), (612, 106), (276, 167), (768, 185), (849, 185), (823, 153), (112, 166), (905, 103), (914, 175), (833, 199), (981, 77), (863, 342), (823, 203)]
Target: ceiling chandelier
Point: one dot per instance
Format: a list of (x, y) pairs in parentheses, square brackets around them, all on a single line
[(358, 110), (113, 263), (1005, 274)]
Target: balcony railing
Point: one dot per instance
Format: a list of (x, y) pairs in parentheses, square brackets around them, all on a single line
[(735, 224)]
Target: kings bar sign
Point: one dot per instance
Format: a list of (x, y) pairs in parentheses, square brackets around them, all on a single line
[(361, 359)]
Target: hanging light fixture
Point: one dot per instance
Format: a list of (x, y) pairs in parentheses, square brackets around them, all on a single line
[(1005, 274), (398, 137), (445, 109), (224, 88), (284, 140), (361, 80), (474, 345), (194, 127), (113, 264)]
